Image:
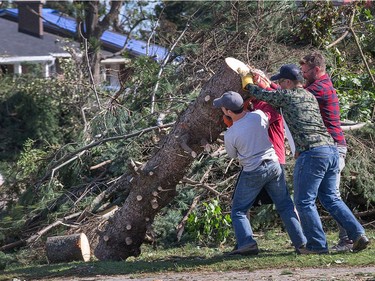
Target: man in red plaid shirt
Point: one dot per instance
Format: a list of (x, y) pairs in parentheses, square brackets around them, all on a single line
[(313, 67)]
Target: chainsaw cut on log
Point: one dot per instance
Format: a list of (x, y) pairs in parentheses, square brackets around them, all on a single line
[(68, 248)]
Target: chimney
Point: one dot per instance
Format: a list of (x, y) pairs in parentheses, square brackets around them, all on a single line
[(29, 20)]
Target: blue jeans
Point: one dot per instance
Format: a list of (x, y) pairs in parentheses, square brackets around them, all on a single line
[(315, 175), (270, 176)]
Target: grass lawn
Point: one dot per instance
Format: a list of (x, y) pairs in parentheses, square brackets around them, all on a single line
[(275, 252)]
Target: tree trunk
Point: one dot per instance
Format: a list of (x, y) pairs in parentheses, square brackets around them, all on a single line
[(155, 184), (68, 248), (94, 29)]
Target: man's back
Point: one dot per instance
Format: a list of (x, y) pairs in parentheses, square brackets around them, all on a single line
[(327, 98), (275, 128), (247, 139), (301, 112)]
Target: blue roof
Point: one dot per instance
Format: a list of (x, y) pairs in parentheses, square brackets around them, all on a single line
[(53, 19)]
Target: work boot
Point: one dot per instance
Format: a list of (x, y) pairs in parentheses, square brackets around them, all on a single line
[(251, 249), (360, 243), (344, 245), (304, 251)]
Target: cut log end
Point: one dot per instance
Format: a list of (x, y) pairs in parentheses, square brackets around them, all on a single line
[(68, 248), (128, 241)]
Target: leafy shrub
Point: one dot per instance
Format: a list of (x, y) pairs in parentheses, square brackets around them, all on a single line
[(356, 94), (210, 225)]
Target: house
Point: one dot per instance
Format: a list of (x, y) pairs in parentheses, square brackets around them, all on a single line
[(28, 38)]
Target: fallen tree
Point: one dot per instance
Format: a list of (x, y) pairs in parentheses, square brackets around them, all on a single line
[(153, 186)]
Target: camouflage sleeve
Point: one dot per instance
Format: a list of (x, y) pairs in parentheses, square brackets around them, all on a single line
[(275, 98)]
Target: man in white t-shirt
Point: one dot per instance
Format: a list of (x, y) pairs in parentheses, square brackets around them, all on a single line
[(247, 140)]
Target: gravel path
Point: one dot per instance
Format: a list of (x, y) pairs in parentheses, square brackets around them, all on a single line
[(296, 274)]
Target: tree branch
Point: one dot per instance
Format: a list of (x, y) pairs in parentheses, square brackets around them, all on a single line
[(88, 64), (338, 40), (162, 68), (181, 226), (358, 215), (74, 155), (206, 186), (38, 234), (353, 126)]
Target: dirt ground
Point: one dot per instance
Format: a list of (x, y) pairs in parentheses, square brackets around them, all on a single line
[(313, 274)]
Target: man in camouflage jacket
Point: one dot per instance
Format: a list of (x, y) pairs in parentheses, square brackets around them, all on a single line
[(317, 161)]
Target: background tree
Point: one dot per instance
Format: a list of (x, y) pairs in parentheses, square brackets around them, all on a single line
[(92, 21)]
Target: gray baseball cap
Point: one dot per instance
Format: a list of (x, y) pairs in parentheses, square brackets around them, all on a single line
[(229, 100)]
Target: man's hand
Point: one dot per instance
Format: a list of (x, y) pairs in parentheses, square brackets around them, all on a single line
[(260, 78)]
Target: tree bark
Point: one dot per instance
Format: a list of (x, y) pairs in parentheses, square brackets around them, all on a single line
[(68, 248), (155, 184)]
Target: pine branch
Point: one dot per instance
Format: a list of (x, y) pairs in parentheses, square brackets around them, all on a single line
[(36, 236), (74, 155), (163, 66)]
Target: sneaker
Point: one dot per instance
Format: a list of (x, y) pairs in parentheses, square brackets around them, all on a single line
[(343, 246), (248, 250), (304, 251), (361, 243)]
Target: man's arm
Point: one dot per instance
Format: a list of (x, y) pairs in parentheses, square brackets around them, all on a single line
[(275, 98)]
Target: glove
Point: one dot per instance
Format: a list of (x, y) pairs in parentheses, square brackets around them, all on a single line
[(227, 121), (246, 78)]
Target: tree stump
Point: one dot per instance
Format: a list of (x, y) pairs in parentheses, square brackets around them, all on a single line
[(68, 248)]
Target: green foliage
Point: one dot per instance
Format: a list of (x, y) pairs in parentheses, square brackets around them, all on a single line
[(164, 226), (210, 225), (29, 161), (27, 116), (358, 181), (356, 94), (37, 116), (315, 25), (264, 217), (44, 110), (369, 40), (5, 260)]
